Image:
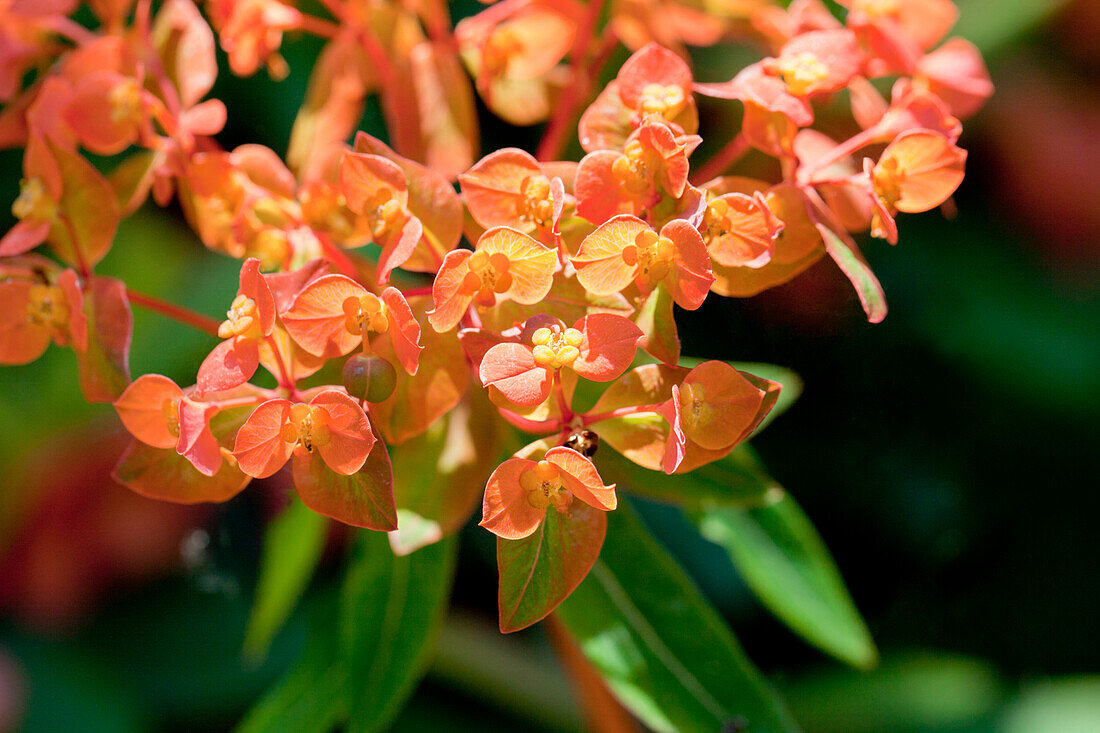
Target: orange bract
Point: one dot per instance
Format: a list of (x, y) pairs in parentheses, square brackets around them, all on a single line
[(625, 249), (506, 264), (332, 424), (520, 491)]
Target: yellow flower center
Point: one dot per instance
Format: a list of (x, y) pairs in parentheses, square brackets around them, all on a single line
[(171, 410), (46, 306), (487, 274), (544, 488), (877, 8), (242, 319), (666, 101), (125, 103), (537, 206), (499, 48), (716, 220), (365, 315), (632, 169), (652, 255), (307, 427), (555, 347), (33, 202), (887, 178), (695, 413), (383, 212), (326, 209), (801, 72)]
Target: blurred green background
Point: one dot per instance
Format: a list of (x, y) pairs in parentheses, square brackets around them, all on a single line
[(947, 457)]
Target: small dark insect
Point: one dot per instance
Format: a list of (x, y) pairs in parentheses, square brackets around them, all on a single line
[(584, 442)]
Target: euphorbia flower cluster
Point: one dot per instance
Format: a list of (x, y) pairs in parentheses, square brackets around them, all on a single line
[(534, 282)]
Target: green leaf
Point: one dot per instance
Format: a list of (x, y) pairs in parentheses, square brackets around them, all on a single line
[(390, 612), (655, 318), (664, 651), (781, 557), (363, 499), (315, 696), (738, 478), (292, 547), (991, 24), (538, 572), (850, 261)]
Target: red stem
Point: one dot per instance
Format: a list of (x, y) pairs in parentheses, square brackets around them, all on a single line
[(318, 26), (721, 161), (553, 140), (563, 404), (617, 412), (177, 313)]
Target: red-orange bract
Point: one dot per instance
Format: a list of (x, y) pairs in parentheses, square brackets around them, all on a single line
[(520, 491)]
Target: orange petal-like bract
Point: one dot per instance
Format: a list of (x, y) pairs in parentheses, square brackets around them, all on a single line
[(505, 264), (510, 368), (149, 408), (918, 171), (719, 406), (519, 492)]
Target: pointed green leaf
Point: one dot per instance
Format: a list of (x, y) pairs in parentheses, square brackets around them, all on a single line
[(292, 547), (850, 261), (540, 571), (656, 320), (664, 651), (738, 478), (779, 554), (363, 499), (314, 696), (390, 612)]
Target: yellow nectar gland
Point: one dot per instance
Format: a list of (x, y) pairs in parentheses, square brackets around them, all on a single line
[(365, 315), (384, 213), (695, 413), (631, 169), (326, 209), (555, 347), (171, 410), (801, 72), (666, 101), (46, 306), (887, 177), (33, 201), (537, 207), (125, 103), (652, 255), (242, 320), (487, 274), (499, 48), (544, 488), (307, 427), (877, 8), (716, 220)]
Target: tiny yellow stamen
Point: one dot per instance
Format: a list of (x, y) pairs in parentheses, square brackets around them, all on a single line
[(46, 306), (365, 315), (307, 427), (125, 103)]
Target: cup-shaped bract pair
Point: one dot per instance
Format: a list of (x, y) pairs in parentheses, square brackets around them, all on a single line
[(626, 250), (506, 264), (333, 315), (250, 320), (598, 347), (520, 491), (35, 312)]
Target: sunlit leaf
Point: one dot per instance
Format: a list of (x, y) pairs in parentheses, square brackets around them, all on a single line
[(663, 650), (779, 554), (292, 547), (540, 571)]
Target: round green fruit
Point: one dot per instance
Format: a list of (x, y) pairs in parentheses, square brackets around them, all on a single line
[(369, 378)]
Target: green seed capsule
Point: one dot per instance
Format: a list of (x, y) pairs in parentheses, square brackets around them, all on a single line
[(369, 378)]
